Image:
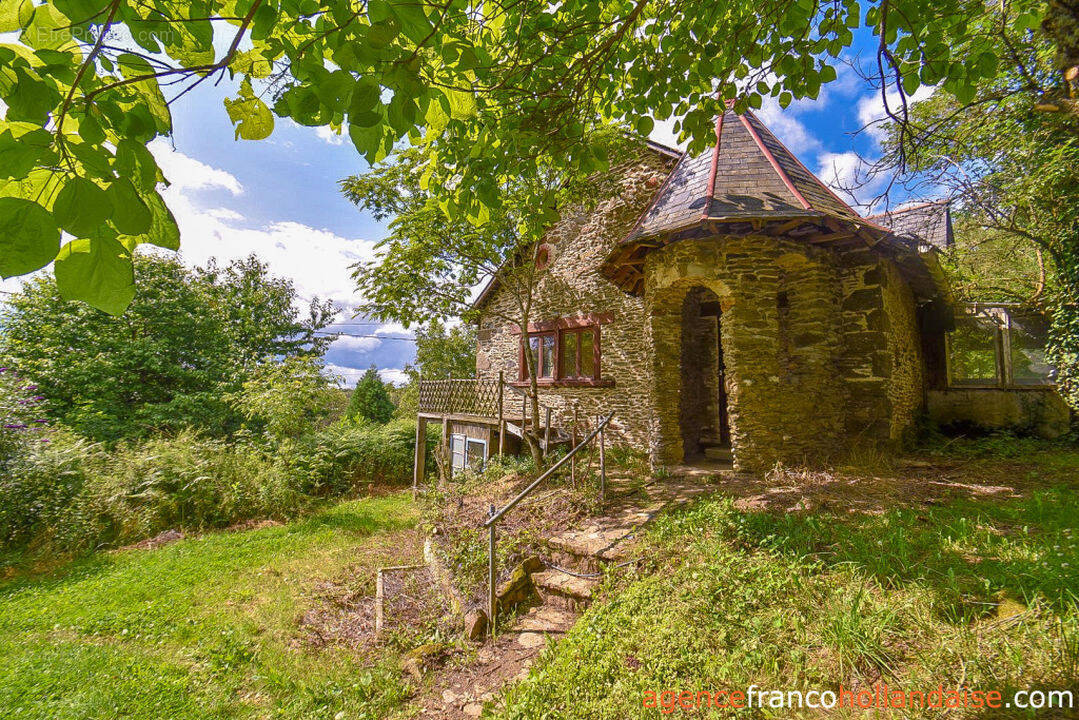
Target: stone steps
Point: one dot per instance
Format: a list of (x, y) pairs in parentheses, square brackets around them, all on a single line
[(560, 589), (718, 452)]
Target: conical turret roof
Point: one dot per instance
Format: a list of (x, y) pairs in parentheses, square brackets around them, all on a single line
[(748, 182)]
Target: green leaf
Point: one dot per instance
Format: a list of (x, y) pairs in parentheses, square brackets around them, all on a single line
[(252, 117), (135, 162), (33, 98), (97, 271), (163, 231), (81, 207), (15, 14), (645, 125), (17, 156), (129, 213), (414, 22), (48, 28), (365, 107), (29, 237), (462, 104)]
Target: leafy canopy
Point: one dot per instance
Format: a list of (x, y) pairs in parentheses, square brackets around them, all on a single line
[(189, 340), (483, 88), (1014, 174)]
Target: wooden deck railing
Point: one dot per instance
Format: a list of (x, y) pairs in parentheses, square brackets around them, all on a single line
[(461, 396)]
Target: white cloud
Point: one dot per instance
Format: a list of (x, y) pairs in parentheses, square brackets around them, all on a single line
[(871, 112), (316, 260), (346, 376), (788, 128), (351, 343), (349, 376), (394, 328), (847, 174), (394, 376), (186, 173), (327, 135)]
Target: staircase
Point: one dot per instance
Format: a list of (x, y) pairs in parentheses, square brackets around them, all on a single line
[(714, 448), (577, 560)]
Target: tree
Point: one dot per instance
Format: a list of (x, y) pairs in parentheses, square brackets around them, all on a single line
[(429, 265), (370, 400), (1013, 173), (484, 88), (442, 353), (288, 398), (190, 338)]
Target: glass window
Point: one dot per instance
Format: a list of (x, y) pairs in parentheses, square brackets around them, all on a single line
[(588, 353), (533, 349), (477, 454), (1027, 336), (972, 351), (546, 369), (569, 354), (457, 451)]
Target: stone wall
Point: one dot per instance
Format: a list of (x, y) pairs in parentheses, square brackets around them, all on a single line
[(570, 286), (904, 367), (1039, 411), (881, 360), (785, 400)]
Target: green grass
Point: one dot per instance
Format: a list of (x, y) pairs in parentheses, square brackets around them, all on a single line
[(202, 628), (977, 592)]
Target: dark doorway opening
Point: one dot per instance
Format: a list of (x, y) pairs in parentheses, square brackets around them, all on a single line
[(704, 420)]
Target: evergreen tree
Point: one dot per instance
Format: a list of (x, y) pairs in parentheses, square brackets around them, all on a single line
[(370, 400)]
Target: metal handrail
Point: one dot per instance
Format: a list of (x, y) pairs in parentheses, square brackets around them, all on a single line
[(495, 516), (550, 471)]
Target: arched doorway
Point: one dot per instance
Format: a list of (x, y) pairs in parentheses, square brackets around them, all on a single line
[(703, 414)]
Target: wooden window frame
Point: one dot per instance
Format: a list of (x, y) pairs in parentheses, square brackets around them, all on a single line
[(558, 329), (1001, 349)]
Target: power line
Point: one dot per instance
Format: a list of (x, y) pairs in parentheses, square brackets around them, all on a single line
[(359, 335)]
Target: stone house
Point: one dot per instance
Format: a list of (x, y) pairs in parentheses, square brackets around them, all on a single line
[(725, 305)]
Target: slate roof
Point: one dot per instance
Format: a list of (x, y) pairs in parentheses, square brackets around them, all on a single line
[(924, 224), (747, 174)]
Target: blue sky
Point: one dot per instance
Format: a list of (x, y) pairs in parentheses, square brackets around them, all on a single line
[(279, 198)]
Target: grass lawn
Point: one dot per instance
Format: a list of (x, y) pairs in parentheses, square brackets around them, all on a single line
[(978, 590), (205, 627)]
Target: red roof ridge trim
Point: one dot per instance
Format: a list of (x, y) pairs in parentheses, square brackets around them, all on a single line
[(775, 163), (715, 167)]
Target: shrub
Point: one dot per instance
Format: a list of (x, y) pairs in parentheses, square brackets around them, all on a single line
[(41, 493), (63, 494), (189, 482), (349, 454)]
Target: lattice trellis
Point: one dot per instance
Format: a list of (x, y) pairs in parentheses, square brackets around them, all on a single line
[(460, 397)]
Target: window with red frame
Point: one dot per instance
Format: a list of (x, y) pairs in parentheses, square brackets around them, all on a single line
[(570, 354)]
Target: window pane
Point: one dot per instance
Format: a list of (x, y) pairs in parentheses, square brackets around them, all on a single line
[(569, 354), (457, 451), (548, 357), (973, 351), (588, 359), (533, 348), (1028, 336), (477, 454)]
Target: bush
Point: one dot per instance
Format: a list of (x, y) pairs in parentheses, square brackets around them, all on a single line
[(349, 454), (41, 492), (63, 494)]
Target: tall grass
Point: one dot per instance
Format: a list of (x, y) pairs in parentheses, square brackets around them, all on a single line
[(63, 494)]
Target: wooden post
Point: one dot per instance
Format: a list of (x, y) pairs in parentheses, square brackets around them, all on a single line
[(501, 416), (492, 599), (573, 443), (547, 432), (602, 463), (447, 456), (419, 469)]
